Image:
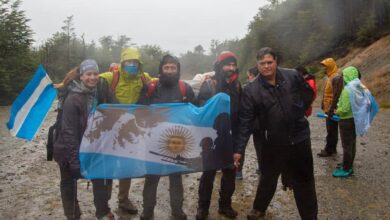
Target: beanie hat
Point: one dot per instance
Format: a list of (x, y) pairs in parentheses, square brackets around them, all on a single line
[(130, 54), (88, 65), (226, 57)]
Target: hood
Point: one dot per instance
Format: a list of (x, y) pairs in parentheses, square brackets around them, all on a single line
[(130, 54), (331, 66), (169, 80), (350, 73), (79, 87)]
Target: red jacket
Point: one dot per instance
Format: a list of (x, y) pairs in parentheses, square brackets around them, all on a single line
[(312, 82)]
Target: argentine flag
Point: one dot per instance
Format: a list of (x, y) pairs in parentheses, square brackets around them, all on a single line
[(124, 141), (31, 106)]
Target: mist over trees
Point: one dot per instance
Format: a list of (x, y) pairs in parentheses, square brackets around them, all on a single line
[(302, 31)]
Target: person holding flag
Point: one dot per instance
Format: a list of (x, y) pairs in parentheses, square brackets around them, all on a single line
[(167, 89), (226, 81), (126, 83), (83, 96)]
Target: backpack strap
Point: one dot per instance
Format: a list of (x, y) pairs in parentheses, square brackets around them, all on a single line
[(183, 89), (115, 80), (151, 87)]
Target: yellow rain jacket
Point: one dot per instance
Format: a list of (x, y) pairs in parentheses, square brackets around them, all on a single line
[(331, 72), (128, 88)]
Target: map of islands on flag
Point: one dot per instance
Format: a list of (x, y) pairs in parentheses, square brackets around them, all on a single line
[(124, 141)]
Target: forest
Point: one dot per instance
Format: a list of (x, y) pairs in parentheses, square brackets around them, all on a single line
[(302, 31)]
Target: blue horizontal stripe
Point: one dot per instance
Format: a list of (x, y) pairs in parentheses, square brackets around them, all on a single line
[(25, 95), (101, 166), (37, 113), (186, 113)]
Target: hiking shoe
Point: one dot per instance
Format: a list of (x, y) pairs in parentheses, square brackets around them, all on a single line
[(179, 215), (255, 214), (201, 214), (239, 175), (109, 216), (228, 212), (342, 173), (147, 215), (128, 206), (324, 153)]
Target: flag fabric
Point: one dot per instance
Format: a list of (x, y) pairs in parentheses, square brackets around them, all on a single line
[(31, 106), (124, 141), (363, 104)]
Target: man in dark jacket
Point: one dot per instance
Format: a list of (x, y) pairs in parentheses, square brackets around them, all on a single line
[(277, 98), (168, 89), (224, 80)]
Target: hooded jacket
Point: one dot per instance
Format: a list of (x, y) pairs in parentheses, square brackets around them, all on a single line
[(331, 72), (76, 108), (344, 108), (217, 84), (128, 88), (165, 91)]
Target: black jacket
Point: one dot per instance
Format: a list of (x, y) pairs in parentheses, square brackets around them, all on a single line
[(166, 94), (74, 117), (280, 109), (212, 86)]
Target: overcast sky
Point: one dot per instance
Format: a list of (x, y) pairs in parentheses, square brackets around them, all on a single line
[(174, 25)]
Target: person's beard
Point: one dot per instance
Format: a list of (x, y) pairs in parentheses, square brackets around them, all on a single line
[(166, 80)]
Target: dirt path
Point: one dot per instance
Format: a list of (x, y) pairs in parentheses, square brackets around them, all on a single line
[(29, 185)]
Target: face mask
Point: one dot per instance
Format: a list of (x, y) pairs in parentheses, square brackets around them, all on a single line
[(131, 69)]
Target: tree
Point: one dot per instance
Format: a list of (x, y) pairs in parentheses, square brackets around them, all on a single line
[(17, 63)]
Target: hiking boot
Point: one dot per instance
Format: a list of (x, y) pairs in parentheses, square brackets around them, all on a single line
[(147, 215), (201, 214), (324, 153), (127, 206), (228, 212), (342, 173), (179, 215), (255, 214), (109, 216), (239, 175)]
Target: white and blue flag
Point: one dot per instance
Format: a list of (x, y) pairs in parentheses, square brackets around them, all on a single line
[(31, 106), (124, 141)]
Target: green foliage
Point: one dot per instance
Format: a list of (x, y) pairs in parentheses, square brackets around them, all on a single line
[(151, 55), (17, 63), (305, 30)]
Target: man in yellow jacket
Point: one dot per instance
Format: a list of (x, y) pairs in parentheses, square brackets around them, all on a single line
[(127, 84), (331, 93)]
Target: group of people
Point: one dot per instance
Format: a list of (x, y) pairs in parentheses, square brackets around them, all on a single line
[(338, 91), (273, 107)]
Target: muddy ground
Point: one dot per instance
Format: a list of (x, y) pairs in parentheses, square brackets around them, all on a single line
[(29, 185)]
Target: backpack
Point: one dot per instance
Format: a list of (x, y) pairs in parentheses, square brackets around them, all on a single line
[(153, 84), (55, 128)]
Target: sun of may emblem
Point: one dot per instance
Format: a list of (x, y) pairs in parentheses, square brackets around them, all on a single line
[(175, 141)]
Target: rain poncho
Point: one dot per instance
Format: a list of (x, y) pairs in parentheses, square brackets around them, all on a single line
[(356, 101)]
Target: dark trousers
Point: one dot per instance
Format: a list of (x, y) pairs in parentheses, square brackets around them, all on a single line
[(299, 160), (257, 137), (227, 188), (348, 141), (332, 129), (175, 192), (68, 186)]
